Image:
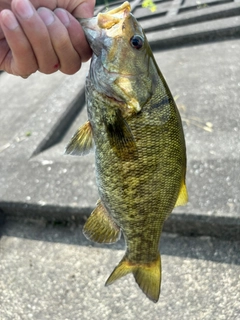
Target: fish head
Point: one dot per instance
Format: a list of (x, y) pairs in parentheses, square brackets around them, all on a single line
[(122, 63)]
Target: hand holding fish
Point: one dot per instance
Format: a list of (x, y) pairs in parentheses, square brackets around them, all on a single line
[(43, 35)]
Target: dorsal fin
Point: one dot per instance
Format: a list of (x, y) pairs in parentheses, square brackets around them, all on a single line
[(82, 142)]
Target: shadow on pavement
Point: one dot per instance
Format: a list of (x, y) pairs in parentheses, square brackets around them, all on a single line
[(204, 247)]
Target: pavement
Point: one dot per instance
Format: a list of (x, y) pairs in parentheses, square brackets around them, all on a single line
[(48, 270)]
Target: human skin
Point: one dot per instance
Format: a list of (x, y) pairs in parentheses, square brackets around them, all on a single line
[(43, 35)]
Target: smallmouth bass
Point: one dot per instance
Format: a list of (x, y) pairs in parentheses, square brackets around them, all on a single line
[(140, 156)]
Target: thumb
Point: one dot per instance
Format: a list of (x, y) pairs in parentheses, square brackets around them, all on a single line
[(84, 9)]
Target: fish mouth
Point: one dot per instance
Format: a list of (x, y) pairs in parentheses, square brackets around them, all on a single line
[(90, 28), (96, 28), (108, 19), (125, 8)]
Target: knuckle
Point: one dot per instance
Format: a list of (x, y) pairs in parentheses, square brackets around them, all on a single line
[(63, 43), (26, 71), (71, 69), (86, 56), (47, 70)]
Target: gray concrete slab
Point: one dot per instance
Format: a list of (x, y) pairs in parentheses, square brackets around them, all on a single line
[(207, 31), (48, 270), (180, 15), (41, 113), (205, 82), (33, 109), (52, 272)]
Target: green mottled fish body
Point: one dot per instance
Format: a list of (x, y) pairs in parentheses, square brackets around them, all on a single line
[(140, 187), (139, 144)]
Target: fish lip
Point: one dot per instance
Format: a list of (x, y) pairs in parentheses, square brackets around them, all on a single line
[(96, 26), (88, 23), (123, 9), (91, 29)]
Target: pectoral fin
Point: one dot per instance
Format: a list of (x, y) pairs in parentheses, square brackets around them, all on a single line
[(120, 134), (182, 196), (100, 227), (82, 142)]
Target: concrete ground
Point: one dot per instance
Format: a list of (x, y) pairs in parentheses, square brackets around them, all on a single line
[(48, 270), (52, 272)]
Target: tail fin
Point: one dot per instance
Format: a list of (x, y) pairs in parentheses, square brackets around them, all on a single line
[(147, 276)]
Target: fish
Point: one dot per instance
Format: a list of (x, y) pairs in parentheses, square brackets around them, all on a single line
[(135, 130)]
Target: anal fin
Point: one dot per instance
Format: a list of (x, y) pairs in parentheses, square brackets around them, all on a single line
[(182, 196), (82, 141), (100, 227)]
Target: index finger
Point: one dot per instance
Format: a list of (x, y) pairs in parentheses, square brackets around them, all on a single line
[(1, 34), (78, 8), (21, 59), (37, 35)]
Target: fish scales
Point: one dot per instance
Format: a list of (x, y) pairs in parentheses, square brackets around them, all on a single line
[(140, 154)]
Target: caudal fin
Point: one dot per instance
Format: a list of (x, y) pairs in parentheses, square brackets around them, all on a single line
[(147, 276)]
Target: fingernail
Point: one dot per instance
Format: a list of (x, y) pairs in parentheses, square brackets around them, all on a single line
[(62, 16), (9, 19), (24, 8), (46, 15)]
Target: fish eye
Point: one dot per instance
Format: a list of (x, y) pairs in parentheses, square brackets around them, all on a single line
[(136, 42)]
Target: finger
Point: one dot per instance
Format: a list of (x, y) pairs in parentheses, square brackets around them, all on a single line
[(84, 9), (70, 61), (1, 32), (5, 4), (76, 34), (4, 51), (37, 35), (50, 4), (20, 59)]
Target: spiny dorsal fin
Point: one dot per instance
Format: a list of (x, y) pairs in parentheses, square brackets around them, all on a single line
[(147, 276), (100, 227), (182, 196), (120, 135), (82, 142)]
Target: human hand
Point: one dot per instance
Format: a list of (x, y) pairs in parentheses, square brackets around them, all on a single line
[(43, 35)]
